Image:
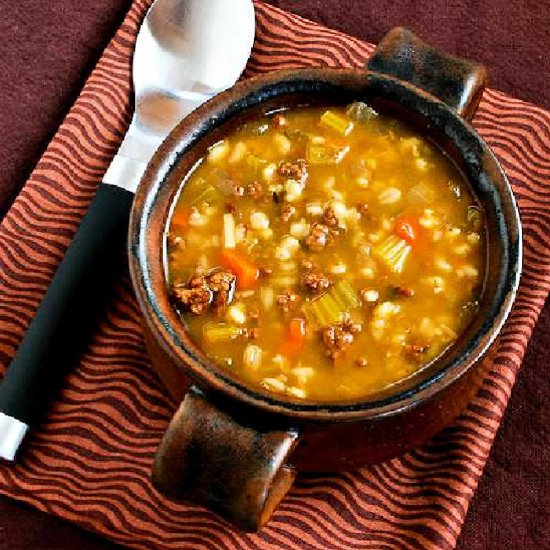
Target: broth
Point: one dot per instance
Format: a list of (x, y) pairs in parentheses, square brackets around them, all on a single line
[(325, 253)]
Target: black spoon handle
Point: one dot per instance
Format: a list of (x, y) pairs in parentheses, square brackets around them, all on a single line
[(65, 317)]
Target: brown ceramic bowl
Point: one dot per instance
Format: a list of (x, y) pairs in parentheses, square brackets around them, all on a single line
[(236, 448)]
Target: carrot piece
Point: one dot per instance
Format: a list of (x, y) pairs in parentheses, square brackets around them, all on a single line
[(407, 229), (247, 273), (180, 218), (296, 337)]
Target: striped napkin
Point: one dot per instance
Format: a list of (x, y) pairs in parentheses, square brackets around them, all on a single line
[(90, 461)]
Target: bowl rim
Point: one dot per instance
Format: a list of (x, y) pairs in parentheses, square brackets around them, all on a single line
[(173, 337)]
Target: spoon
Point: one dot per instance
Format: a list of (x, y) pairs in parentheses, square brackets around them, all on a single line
[(186, 51)]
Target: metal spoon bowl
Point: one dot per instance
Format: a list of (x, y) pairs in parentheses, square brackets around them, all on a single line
[(186, 52)]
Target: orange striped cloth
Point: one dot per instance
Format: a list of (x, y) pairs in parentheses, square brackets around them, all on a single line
[(90, 461)]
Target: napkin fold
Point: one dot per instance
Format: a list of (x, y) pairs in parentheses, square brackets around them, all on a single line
[(90, 461)]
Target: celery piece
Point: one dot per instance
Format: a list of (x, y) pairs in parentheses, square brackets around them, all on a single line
[(421, 193), (345, 294), (332, 306), (475, 217), (337, 122), (393, 253), (325, 154), (208, 195), (222, 332), (361, 112)]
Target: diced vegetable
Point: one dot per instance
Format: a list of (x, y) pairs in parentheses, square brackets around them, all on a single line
[(246, 271), (229, 237), (222, 332), (393, 253), (180, 218), (210, 195), (391, 195), (296, 337), (325, 154), (252, 357), (407, 229), (475, 218), (332, 306), (361, 112), (337, 122), (421, 193)]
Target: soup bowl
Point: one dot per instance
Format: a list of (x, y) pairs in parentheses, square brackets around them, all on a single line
[(236, 448)]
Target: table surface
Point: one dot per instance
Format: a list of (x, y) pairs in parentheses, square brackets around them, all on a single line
[(47, 50)]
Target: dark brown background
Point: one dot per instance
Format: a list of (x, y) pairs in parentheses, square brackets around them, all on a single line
[(47, 49)]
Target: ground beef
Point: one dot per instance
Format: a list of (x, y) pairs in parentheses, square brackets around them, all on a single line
[(315, 281), (287, 211), (329, 218), (296, 170), (286, 300), (339, 336), (318, 236), (217, 288), (254, 190), (196, 299), (222, 284), (416, 352), (402, 292)]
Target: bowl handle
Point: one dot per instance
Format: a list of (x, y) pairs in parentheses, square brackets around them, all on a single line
[(456, 81), (235, 470)]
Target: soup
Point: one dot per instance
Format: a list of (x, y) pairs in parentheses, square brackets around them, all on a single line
[(325, 253)]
